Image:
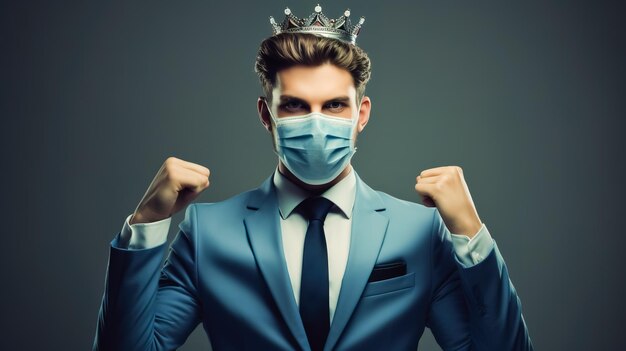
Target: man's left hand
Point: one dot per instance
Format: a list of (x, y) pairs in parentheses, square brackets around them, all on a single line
[(445, 188)]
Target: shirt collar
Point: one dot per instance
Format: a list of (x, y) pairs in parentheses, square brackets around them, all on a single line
[(290, 195)]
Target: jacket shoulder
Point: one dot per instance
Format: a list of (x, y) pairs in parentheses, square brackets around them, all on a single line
[(214, 217), (222, 207), (400, 205)]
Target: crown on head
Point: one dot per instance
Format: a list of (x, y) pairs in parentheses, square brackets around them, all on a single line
[(317, 23)]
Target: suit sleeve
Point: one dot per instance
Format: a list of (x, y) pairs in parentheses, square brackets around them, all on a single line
[(146, 307), (473, 308)]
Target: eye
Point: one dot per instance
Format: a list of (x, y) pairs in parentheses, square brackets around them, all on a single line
[(336, 106), (291, 105)]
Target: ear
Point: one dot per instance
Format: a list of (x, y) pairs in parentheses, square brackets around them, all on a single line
[(364, 113), (264, 114)]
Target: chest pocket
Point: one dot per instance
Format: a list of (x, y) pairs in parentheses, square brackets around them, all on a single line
[(390, 285)]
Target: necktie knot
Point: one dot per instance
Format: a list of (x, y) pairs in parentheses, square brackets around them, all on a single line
[(316, 208)]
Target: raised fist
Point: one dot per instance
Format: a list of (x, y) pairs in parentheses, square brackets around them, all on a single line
[(175, 185)]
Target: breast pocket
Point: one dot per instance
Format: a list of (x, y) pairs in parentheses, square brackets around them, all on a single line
[(390, 285)]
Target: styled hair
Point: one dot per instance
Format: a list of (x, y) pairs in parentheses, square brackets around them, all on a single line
[(285, 50)]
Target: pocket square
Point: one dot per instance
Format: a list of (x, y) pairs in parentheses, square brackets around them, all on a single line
[(387, 271)]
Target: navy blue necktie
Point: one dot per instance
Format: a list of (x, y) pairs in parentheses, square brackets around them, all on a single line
[(314, 281)]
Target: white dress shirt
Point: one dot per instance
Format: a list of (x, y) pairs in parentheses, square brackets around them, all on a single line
[(293, 230)]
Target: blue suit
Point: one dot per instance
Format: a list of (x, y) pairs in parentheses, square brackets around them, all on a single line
[(226, 269)]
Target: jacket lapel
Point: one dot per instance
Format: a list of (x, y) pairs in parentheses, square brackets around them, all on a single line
[(263, 230), (369, 225)]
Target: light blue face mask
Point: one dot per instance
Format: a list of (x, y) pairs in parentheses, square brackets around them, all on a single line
[(315, 147)]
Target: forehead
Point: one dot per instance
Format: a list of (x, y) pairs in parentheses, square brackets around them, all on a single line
[(314, 82)]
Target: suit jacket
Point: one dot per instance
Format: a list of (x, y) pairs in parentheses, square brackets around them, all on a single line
[(226, 269)]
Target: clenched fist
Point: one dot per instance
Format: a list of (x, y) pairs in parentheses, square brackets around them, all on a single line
[(175, 185), (445, 188)]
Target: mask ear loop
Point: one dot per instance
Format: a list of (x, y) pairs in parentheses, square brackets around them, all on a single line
[(356, 121), (269, 109), (274, 127)]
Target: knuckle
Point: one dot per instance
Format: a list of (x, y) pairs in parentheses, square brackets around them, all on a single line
[(169, 163), (171, 174), (168, 170)]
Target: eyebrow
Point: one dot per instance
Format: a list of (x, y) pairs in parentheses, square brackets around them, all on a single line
[(285, 98)]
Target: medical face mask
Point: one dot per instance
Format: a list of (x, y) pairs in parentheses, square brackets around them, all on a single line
[(315, 147)]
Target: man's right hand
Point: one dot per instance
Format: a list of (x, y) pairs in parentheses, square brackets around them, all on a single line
[(177, 183)]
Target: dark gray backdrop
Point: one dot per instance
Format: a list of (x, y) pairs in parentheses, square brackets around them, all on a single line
[(526, 96)]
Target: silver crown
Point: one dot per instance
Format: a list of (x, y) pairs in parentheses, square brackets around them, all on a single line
[(317, 23)]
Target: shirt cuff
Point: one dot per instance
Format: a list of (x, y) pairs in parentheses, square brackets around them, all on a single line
[(472, 251), (144, 235)]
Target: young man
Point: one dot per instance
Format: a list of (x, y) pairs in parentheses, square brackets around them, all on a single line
[(313, 259)]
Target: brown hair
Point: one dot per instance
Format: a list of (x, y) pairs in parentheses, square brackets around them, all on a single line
[(284, 50)]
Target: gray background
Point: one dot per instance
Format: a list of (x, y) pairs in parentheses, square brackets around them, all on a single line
[(526, 96)]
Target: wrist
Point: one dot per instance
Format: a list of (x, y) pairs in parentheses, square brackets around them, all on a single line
[(134, 219), (468, 228), (472, 229), (138, 218), (144, 214)]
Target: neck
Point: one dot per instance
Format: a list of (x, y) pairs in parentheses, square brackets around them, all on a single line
[(316, 189)]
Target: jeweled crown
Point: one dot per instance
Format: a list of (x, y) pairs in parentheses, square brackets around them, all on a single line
[(317, 23)]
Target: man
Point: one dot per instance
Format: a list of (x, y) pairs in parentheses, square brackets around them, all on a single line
[(313, 259)]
